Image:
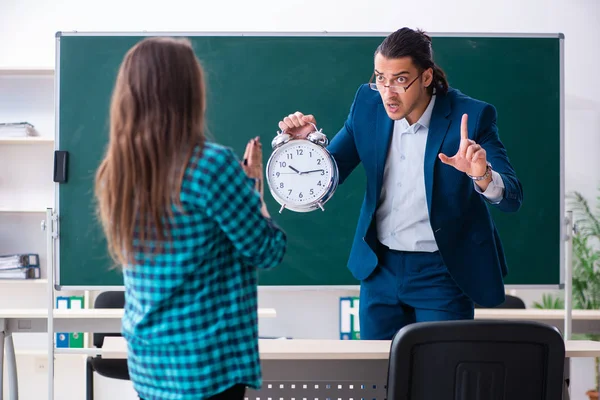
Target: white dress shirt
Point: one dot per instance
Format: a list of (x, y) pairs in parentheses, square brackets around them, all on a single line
[(403, 217)]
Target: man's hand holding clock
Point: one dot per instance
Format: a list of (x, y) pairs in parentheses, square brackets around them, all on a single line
[(298, 125)]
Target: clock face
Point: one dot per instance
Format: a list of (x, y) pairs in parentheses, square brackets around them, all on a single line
[(300, 172)]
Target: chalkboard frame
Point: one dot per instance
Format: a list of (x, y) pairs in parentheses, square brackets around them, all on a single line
[(54, 237)]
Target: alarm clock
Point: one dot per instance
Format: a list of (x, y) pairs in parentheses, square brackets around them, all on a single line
[(301, 173)]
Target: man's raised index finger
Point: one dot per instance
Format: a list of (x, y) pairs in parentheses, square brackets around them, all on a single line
[(464, 132)]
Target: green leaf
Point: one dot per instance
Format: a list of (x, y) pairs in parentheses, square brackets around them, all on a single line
[(549, 301)]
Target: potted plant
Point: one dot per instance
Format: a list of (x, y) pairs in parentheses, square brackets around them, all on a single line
[(586, 271), (550, 301), (586, 266)]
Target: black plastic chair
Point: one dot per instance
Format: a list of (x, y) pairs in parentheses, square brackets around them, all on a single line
[(110, 368), (509, 302), (472, 360)]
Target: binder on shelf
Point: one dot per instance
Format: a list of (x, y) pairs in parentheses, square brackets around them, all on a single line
[(20, 273), (9, 261), (349, 318), (20, 266), (76, 338), (17, 129), (62, 338)]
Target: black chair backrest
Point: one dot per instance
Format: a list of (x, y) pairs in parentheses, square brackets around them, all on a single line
[(110, 299), (471, 359), (509, 302), (512, 302)]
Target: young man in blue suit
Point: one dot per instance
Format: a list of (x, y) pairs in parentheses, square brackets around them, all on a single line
[(425, 247)]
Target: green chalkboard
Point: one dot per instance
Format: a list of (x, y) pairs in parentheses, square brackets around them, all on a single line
[(253, 80)]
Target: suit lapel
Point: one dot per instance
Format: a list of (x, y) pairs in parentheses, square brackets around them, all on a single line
[(438, 127), (383, 133)]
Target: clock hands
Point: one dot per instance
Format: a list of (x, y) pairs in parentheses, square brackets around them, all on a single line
[(303, 172)]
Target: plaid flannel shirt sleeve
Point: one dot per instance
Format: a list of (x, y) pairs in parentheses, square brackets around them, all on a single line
[(234, 203)]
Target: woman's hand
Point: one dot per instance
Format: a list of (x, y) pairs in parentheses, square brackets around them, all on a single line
[(253, 166)]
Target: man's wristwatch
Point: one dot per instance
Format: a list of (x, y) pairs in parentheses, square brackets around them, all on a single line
[(488, 173)]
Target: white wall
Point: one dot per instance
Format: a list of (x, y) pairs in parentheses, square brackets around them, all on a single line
[(27, 30), (28, 27)]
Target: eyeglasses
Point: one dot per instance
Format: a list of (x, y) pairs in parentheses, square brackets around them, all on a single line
[(379, 87)]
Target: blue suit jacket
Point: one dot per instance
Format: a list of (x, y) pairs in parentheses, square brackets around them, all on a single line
[(464, 230)]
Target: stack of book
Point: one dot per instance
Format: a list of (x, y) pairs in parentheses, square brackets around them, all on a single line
[(20, 266), (17, 129)]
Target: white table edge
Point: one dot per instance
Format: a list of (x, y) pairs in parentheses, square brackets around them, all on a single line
[(89, 313), (308, 349)]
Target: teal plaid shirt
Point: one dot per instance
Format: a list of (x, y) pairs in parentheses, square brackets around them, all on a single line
[(191, 309)]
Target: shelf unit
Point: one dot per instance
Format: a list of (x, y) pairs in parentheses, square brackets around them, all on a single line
[(27, 71), (24, 281), (22, 211), (26, 186), (32, 353), (27, 190), (26, 140)]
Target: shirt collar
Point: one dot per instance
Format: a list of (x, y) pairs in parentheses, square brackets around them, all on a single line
[(424, 121), (426, 117)]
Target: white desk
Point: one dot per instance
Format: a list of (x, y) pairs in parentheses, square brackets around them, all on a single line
[(313, 369), (109, 320), (305, 349), (36, 321), (582, 321), (85, 320), (535, 314)]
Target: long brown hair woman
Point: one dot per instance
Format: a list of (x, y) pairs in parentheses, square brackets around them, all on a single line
[(189, 228)]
